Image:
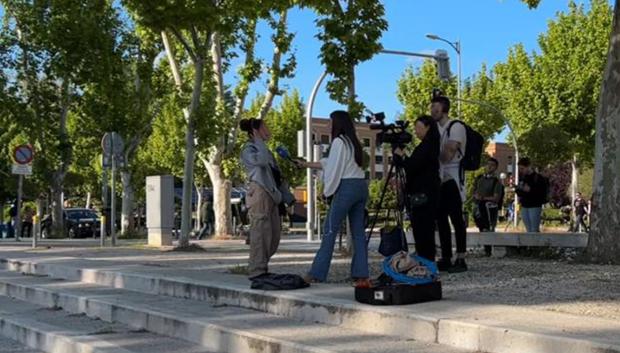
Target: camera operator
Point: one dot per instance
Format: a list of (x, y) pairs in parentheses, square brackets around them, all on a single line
[(452, 191), (422, 186)]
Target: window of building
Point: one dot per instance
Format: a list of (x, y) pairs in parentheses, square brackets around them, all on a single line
[(366, 142), (379, 175), (325, 139), (379, 159)]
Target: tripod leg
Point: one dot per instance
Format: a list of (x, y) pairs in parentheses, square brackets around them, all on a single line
[(383, 192)]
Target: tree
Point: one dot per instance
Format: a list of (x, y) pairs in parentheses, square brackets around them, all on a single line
[(284, 122), (603, 245), (57, 47), (350, 35)]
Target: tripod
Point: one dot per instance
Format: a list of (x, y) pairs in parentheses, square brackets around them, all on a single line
[(398, 173)]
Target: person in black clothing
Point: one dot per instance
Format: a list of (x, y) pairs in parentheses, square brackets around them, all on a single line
[(532, 192), (581, 212), (422, 187)]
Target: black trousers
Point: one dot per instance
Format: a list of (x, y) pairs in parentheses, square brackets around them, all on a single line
[(488, 217), (451, 208), (423, 225), (26, 229), (581, 222)]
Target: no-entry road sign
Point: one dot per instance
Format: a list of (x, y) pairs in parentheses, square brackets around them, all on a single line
[(23, 154)]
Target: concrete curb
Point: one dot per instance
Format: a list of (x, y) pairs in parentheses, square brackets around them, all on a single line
[(457, 333), (211, 336)]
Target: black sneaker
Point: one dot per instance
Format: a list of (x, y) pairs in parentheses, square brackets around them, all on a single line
[(458, 267), (444, 265)]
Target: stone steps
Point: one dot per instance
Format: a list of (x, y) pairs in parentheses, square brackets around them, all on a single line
[(215, 327), (468, 326), (56, 331)]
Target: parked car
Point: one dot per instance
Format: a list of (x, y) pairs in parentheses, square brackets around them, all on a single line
[(79, 222)]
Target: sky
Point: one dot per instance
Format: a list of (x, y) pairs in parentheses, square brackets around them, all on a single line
[(486, 29)]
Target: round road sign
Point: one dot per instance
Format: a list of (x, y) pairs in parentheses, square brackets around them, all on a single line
[(23, 154)]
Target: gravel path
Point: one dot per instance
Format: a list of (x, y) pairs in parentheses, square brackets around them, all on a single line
[(592, 290)]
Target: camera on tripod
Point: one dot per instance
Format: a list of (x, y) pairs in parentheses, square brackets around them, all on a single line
[(395, 134)]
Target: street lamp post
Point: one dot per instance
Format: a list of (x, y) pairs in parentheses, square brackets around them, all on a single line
[(457, 47)]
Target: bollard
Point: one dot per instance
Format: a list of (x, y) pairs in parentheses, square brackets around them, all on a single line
[(36, 226), (102, 230)]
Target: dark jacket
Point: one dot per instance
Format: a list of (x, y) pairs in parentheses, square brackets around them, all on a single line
[(422, 168), (537, 196)]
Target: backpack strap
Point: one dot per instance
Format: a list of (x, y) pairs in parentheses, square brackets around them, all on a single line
[(450, 127)]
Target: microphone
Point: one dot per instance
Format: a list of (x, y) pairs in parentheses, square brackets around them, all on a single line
[(283, 153)]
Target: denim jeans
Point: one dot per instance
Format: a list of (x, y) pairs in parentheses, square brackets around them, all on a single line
[(349, 200), (531, 218)]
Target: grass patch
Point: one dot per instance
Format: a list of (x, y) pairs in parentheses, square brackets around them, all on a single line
[(189, 248), (239, 270)]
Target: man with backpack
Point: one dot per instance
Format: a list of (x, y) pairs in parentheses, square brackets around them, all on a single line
[(533, 192), (489, 195), (452, 192)]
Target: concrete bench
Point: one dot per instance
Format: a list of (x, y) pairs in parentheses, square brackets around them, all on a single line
[(500, 240)]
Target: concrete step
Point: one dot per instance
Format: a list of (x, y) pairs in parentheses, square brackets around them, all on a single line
[(218, 328), (8, 345), (56, 331), (475, 327)]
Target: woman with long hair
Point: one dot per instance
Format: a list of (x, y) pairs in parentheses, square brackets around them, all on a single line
[(345, 184), (266, 191), (422, 186)]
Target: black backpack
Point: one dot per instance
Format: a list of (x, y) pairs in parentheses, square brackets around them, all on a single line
[(272, 281), (473, 147)]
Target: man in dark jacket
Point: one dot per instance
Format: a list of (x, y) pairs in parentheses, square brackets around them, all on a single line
[(488, 190), (532, 191)]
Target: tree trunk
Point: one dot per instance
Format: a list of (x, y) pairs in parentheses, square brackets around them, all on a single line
[(189, 113), (603, 245), (221, 199), (198, 223), (574, 182), (127, 223), (58, 225)]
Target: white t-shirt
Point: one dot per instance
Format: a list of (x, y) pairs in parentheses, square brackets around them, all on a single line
[(451, 170), (339, 164)]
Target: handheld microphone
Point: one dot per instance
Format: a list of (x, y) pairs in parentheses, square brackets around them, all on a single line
[(283, 152)]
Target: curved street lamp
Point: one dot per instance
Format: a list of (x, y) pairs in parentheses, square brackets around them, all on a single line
[(457, 47)]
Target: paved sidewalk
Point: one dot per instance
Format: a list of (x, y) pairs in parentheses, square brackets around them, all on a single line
[(548, 298)]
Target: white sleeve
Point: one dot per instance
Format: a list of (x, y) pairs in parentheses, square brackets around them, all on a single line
[(333, 167), (458, 134)]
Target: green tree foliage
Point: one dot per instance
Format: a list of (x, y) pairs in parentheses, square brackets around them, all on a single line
[(284, 123), (415, 87), (350, 32), (554, 94)]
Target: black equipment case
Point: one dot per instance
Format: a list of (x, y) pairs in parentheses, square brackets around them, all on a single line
[(399, 294)]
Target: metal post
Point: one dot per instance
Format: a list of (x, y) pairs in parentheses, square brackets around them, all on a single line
[(18, 220), (309, 157), (104, 207), (458, 92), (113, 203)]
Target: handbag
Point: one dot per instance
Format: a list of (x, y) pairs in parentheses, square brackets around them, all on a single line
[(393, 239)]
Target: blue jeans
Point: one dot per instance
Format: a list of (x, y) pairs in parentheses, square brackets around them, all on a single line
[(349, 200), (531, 218)]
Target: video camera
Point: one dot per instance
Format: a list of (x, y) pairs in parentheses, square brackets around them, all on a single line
[(395, 134)]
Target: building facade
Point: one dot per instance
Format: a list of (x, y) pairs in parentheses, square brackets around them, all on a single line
[(505, 155), (379, 157)]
